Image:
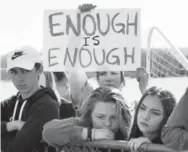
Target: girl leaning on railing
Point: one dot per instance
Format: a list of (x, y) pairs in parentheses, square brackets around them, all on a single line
[(106, 116)]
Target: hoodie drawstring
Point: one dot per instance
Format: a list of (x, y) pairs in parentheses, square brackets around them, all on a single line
[(21, 110)]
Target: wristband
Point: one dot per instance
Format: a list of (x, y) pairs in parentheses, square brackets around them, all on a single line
[(84, 133)]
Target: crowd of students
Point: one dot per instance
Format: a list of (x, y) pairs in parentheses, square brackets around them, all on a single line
[(55, 108)]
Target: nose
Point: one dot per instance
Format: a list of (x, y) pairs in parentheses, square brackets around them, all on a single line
[(146, 116), (20, 76), (108, 123), (108, 80)]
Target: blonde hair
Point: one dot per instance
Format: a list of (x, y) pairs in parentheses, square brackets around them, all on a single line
[(107, 94), (50, 83)]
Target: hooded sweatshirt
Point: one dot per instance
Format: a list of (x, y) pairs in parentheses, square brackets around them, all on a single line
[(38, 109)]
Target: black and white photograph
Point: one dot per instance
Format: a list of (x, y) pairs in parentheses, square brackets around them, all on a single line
[(94, 76)]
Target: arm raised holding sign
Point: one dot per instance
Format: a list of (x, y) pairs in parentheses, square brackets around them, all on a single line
[(79, 85), (81, 88)]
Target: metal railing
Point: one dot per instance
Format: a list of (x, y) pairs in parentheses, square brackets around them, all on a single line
[(110, 145)]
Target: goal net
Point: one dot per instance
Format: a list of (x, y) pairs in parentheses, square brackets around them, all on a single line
[(163, 58)]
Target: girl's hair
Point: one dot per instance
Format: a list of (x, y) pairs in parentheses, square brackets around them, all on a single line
[(168, 101), (38, 66), (106, 95), (62, 81), (50, 83), (61, 76), (122, 78)]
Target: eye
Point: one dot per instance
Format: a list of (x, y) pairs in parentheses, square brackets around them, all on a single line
[(114, 73), (113, 117), (156, 113), (100, 116), (13, 72), (102, 73), (25, 71)]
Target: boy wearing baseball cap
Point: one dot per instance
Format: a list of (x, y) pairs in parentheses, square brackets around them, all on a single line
[(23, 115)]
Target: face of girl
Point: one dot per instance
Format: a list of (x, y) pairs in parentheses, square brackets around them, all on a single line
[(104, 115), (110, 79), (150, 115)]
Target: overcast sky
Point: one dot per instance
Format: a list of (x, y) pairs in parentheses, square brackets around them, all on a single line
[(22, 20)]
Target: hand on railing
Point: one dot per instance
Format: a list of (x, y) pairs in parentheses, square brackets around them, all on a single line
[(135, 143)]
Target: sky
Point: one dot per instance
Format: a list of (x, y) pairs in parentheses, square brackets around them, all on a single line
[(22, 20)]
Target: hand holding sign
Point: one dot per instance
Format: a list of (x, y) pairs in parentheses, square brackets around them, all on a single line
[(142, 77), (86, 7)]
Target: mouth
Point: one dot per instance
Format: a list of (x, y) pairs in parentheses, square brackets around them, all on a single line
[(144, 124), (109, 85), (21, 86)]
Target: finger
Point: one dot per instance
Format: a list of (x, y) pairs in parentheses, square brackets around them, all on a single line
[(94, 6), (136, 146), (131, 144)]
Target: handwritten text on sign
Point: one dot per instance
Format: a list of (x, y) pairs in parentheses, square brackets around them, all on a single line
[(92, 41)]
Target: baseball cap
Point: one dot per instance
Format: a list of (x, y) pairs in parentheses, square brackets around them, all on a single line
[(25, 58)]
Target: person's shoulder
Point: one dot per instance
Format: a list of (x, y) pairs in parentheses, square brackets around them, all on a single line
[(88, 87), (65, 101), (186, 91), (45, 97), (184, 98), (45, 93)]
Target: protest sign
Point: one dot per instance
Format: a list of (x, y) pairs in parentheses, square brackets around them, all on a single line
[(93, 41)]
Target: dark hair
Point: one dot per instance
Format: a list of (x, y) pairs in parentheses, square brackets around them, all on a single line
[(38, 66), (59, 76), (168, 101), (122, 77), (106, 95)]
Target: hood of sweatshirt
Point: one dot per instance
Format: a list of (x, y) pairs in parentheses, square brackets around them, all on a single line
[(41, 93)]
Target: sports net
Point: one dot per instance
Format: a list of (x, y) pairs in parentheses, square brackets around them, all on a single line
[(164, 59)]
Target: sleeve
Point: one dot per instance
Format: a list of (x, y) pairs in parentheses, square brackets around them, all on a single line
[(86, 91), (83, 96), (6, 106), (81, 93), (77, 84), (3, 127), (175, 132), (30, 135), (60, 132)]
